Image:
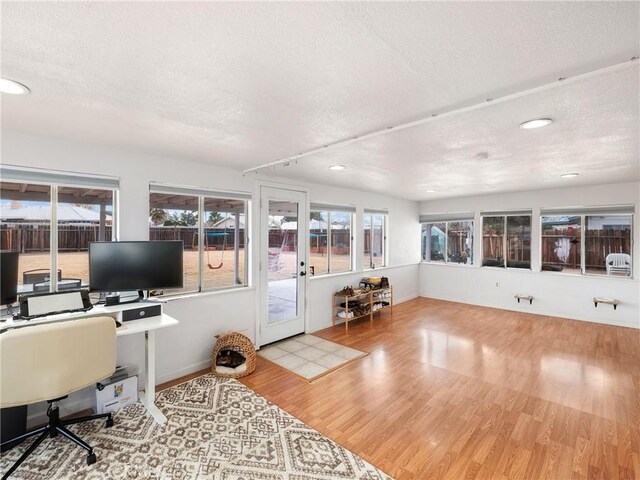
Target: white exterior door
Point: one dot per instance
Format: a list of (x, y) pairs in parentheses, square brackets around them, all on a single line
[(284, 225)]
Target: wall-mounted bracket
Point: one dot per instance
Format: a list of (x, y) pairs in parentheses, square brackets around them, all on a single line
[(524, 297), (610, 301)]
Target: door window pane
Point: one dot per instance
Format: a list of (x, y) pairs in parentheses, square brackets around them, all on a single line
[(608, 245), (282, 260), (318, 242), (561, 237), (84, 215), (224, 247), (519, 241), (493, 241), (25, 227), (460, 242), (340, 231), (175, 217)]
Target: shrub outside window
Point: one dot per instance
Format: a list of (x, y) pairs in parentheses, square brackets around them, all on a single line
[(506, 241), (212, 229), (330, 241), (448, 242)]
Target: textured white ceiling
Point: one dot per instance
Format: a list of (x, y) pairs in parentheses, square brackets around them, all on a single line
[(242, 84)]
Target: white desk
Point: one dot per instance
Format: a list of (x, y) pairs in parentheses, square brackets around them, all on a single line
[(148, 326)]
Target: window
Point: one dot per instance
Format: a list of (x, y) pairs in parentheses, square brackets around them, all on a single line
[(84, 215), (594, 241), (84, 208), (518, 241), (608, 244), (448, 242), (506, 240), (212, 228), (330, 239), (434, 242), (374, 238), (561, 243), (224, 243), (175, 217)]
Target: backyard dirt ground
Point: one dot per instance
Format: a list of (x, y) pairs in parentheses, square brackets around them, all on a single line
[(76, 265)]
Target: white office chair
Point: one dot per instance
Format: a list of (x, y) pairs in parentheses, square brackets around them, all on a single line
[(618, 263), (48, 362)]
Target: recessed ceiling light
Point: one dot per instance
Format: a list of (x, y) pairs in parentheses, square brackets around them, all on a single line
[(569, 175), (12, 87), (536, 123), (337, 167)]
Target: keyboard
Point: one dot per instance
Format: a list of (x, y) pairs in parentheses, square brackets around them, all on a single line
[(40, 315)]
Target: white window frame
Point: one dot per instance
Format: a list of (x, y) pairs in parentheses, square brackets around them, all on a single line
[(202, 194), (583, 213), (329, 210), (505, 215), (385, 221), (56, 179), (446, 241)]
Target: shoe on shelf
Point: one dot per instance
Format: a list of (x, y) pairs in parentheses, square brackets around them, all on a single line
[(346, 291)]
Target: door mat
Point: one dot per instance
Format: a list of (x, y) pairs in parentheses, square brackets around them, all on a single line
[(310, 357)]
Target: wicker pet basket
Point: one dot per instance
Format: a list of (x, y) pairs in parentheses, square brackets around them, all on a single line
[(239, 343)]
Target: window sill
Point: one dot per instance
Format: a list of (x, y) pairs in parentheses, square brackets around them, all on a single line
[(207, 293), (374, 269), (449, 264), (331, 275), (589, 275)]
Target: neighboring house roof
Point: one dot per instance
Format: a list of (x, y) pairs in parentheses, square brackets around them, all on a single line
[(228, 223), (314, 225), (41, 213)]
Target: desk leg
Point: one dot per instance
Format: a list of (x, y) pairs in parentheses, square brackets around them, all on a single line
[(150, 378)]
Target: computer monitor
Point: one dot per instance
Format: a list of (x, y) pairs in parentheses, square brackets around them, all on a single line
[(126, 266), (8, 277)]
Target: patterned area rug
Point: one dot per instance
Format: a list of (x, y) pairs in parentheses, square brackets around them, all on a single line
[(216, 429)]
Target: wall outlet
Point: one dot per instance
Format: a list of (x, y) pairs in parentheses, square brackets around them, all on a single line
[(497, 284)]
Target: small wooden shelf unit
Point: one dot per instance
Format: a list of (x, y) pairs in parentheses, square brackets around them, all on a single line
[(366, 299)]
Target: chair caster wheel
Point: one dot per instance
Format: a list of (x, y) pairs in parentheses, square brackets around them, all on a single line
[(109, 422), (91, 459)]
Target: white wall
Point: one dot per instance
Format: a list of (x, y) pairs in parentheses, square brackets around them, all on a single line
[(187, 347), (557, 294)]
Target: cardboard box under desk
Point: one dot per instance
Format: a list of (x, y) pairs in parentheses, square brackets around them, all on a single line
[(116, 395)]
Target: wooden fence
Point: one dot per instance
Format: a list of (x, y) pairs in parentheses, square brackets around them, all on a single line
[(563, 250), (30, 238)]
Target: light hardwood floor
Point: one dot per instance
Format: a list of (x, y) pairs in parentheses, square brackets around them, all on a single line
[(463, 392)]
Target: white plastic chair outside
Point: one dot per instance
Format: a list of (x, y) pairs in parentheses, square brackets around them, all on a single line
[(618, 263)]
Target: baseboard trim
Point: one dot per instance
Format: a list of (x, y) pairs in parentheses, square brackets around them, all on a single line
[(538, 312), (194, 367)]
